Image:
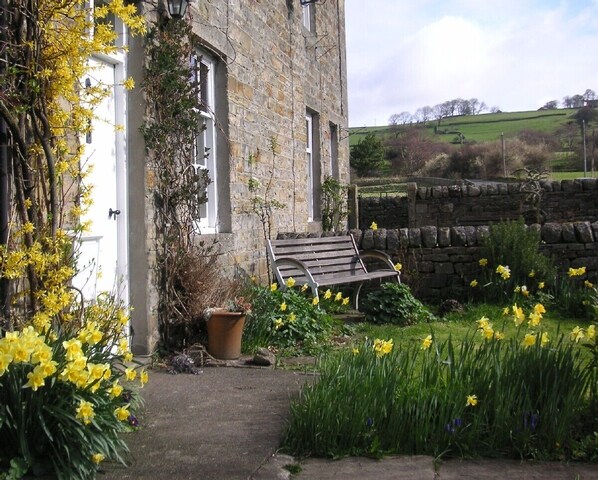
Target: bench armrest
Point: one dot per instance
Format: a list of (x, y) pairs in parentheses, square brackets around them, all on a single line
[(382, 256), (299, 265)]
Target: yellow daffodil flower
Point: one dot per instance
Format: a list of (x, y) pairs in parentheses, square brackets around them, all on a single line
[(473, 283), (374, 226), (483, 262), (529, 340), (471, 401), (426, 342), (290, 283)]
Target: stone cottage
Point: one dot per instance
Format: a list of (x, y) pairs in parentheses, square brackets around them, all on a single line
[(273, 71)]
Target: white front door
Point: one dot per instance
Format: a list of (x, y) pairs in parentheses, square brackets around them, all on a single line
[(102, 257)]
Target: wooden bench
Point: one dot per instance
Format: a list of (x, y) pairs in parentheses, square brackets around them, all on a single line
[(327, 261)]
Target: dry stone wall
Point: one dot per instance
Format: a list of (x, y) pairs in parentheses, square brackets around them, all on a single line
[(439, 262), (481, 204)]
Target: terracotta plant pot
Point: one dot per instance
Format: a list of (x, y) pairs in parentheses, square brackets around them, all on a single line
[(225, 330)]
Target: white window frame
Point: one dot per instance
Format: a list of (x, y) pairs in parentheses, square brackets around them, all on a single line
[(306, 16), (309, 153), (206, 139)]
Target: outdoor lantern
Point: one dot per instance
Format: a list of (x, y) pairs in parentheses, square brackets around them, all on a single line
[(177, 8)]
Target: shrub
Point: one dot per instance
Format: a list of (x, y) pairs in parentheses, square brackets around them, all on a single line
[(62, 404), (289, 319), (493, 397), (511, 259), (394, 303)]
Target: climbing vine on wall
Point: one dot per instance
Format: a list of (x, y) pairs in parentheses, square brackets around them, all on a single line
[(178, 188)]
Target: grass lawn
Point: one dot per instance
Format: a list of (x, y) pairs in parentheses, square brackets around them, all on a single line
[(459, 325)]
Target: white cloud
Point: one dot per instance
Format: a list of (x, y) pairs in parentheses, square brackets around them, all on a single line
[(516, 55)]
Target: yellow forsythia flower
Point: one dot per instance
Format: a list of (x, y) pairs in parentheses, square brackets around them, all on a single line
[(129, 83)]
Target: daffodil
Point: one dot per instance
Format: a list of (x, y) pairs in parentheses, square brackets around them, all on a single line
[(576, 334), (541, 285), (315, 301), (304, 287), (483, 262), (374, 226), (544, 340), (591, 332), (122, 413), (278, 323), (97, 458), (130, 374), (426, 342), (382, 347), (532, 274), (473, 283), (328, 294), (283, 306), (346, 301), (143, 377), (338, 297), (483, 322), (85, 412), (290, 283), (588, 284), (471, 401), (529, 340), (355, 351), (398, 267), (273, 287)]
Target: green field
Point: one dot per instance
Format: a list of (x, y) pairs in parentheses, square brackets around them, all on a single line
[(484, 127)]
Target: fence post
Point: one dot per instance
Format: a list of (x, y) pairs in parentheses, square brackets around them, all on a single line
[(353, 206), (411, 200)]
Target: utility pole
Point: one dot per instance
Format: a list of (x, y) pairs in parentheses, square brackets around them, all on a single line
[(504, 154)]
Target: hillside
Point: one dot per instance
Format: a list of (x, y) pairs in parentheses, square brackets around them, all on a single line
[(484, 127)]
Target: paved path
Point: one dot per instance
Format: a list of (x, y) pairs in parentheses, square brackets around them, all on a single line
[(226, 424)]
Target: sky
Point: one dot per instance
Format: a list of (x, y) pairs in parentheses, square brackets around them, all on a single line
[(512, 54)]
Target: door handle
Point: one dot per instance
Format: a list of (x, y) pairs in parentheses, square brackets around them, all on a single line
[(113, 212)]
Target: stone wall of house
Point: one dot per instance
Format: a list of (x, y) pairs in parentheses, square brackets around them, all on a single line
[(440, 262), (276, 72), (481, 204)]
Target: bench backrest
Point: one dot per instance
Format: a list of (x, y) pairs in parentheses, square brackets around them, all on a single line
[(323, 256)]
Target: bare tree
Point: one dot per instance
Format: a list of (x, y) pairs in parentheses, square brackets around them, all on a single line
[(402, 118)]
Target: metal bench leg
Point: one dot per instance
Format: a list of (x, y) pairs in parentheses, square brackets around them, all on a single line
[(356, 296)]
